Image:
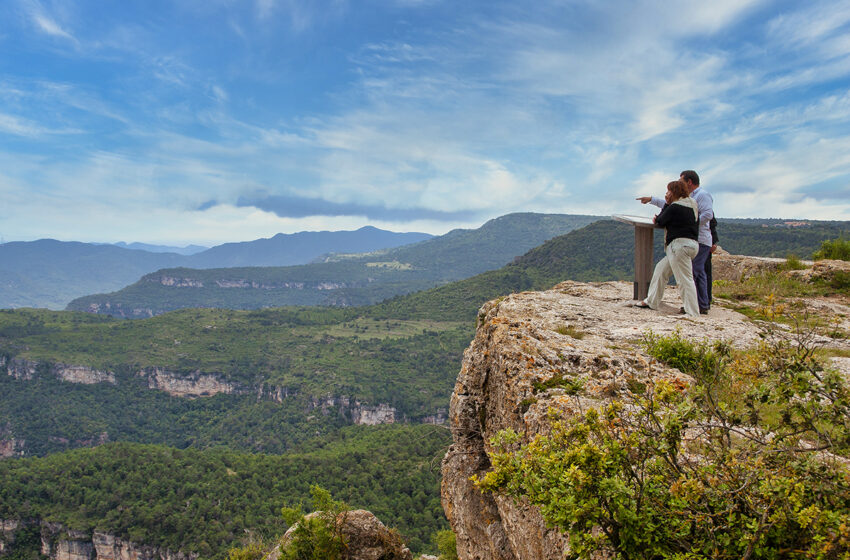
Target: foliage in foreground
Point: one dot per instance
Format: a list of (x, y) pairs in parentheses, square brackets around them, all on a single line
[(751, 462)]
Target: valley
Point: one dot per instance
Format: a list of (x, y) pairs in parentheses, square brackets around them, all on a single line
[(313, 394)]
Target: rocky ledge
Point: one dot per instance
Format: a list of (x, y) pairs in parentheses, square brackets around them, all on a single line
[(588, 332), (60, 543)]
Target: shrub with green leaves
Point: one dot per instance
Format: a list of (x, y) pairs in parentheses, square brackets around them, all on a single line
[(701, 359), (793, 262), (758, 473), (446, 542), (317, 536), (837, 249)]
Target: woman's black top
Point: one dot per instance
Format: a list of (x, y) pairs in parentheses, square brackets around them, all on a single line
[(678, 221)]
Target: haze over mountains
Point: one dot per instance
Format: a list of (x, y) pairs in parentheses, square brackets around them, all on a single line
[(49, 273), (342, 280), (187, 250)]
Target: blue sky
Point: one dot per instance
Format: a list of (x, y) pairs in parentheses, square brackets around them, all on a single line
[(204, 121)]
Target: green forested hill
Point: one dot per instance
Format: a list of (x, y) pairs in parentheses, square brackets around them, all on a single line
[(342, 280), (205, 501), (773, 239)]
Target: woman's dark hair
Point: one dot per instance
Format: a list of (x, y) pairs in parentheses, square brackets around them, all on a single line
[(678, 189)]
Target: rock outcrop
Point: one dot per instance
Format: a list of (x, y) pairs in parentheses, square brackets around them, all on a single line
[(28, 370), (356, 411), (194, 384), (528, 349), (366, 538), (8, 529), (734, 268), (61, 543), (10, 446)]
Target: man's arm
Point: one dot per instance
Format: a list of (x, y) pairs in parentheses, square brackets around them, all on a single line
[(651, 200), (705, 205)]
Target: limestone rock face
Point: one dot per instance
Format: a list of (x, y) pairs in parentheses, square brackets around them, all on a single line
[(10, 446), (83, 374), (196, 384), (365, 536), (374, 415), (74, 545), (8, 528), (60, 543), (21, 369), (28, 370), (358, 412), (583, 332), (109, 547)]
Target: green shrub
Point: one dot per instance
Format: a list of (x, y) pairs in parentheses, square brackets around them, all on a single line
[(793, 262), (700, 359), (678, 475), (318, 537), (837, 249), (840, 281), (247, 552), (447, 544)]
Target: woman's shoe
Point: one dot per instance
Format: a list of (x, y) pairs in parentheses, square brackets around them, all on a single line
[(642, 305)]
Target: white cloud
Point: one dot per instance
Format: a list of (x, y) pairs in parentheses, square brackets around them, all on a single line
[(44, 22), (810, 24), (50, 27), (11, 124)]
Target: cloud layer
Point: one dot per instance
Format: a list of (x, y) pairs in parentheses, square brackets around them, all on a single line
[(203, 122)]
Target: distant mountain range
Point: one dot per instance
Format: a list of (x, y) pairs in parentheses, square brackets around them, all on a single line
[(49, 273), (187, 250), (341, 280)]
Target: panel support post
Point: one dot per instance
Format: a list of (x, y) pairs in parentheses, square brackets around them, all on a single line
[(643, 260)]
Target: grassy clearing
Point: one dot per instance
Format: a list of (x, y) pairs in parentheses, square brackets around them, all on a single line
[(780, 297)]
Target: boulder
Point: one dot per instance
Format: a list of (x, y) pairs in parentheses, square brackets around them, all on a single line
[(366, 538)]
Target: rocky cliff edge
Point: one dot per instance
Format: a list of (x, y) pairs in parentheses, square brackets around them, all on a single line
[(525, 344)]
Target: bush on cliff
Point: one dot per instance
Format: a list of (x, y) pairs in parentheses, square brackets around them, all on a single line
[(838, 249), (751, 462)]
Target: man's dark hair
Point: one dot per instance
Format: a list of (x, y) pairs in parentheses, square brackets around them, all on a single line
[(690, 175)]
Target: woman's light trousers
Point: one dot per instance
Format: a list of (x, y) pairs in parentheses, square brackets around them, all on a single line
[(680, 253)]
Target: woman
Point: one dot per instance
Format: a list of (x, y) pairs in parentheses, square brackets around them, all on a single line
[(679, 218)]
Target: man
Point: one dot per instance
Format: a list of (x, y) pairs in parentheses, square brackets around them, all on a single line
[(712, 226), (705, 205)]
